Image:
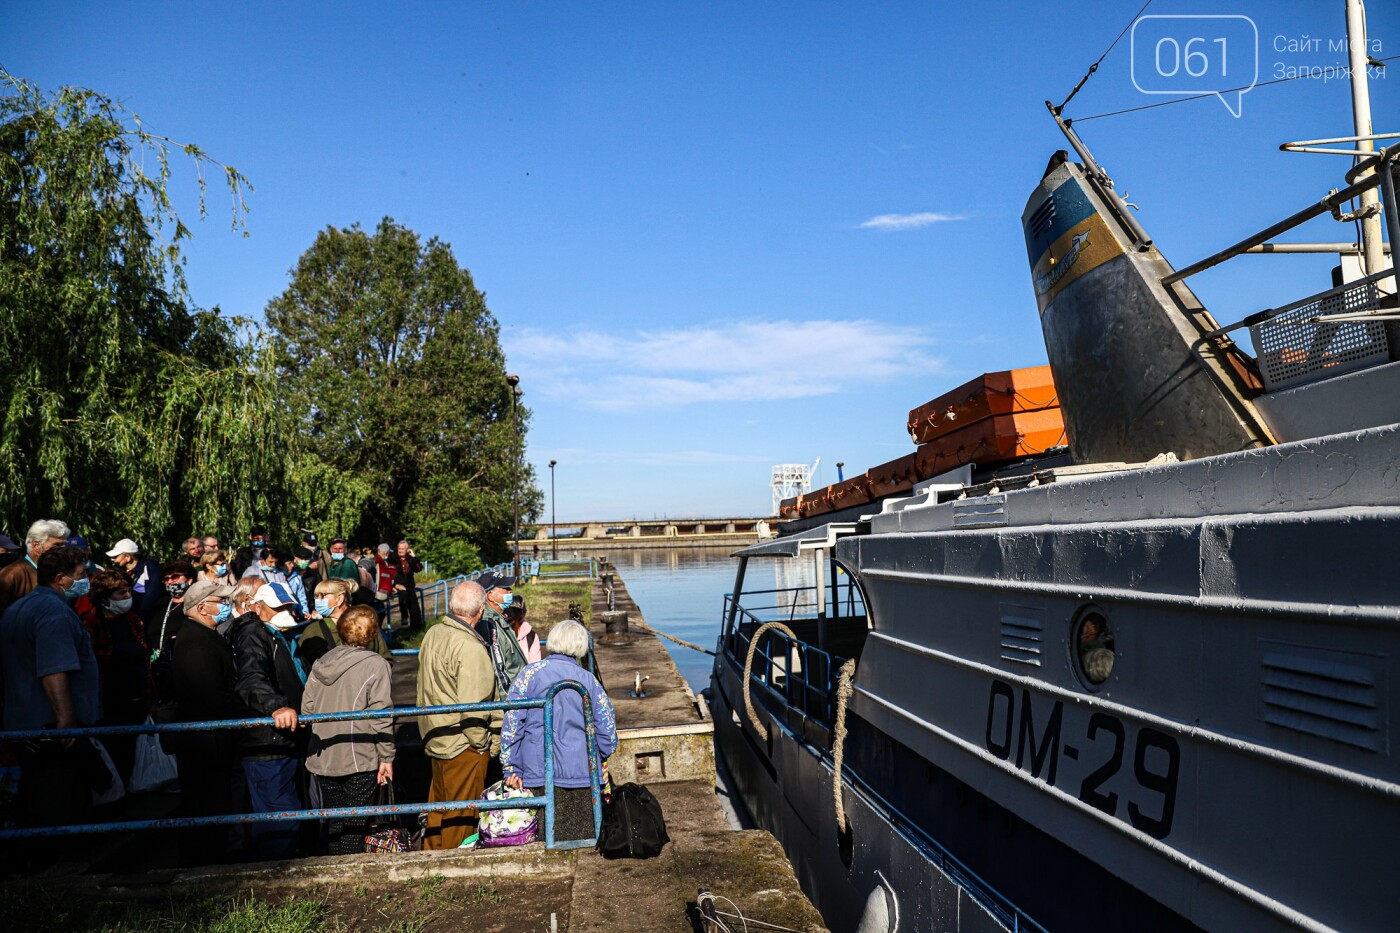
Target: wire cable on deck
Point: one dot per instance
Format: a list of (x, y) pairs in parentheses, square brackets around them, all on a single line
[(1095, 66), (705, 897)]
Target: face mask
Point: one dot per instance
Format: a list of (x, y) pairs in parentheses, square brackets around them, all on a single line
[(303, 564), (119, 607), (323, 607), (225, 613), (335, 556), (260, 543), (176, 589), (79, 588), (220, 570), (506, 600)]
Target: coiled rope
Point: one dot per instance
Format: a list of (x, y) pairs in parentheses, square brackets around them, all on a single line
[(845, 689), (759, 727)]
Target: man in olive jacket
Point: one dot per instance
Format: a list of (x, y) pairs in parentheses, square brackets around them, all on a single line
[(454, 667)]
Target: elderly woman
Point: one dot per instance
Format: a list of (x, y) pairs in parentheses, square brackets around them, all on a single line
[(213, 567), (334, 598), (350, 758), (123, 660), (522, 735)]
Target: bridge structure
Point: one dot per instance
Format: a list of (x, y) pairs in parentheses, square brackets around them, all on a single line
[(656, 532)]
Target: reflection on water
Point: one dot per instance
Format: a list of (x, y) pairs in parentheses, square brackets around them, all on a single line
[(681, 592)]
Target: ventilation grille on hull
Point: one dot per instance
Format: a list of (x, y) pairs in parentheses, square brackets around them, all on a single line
[(1021, 636), (1331, 694)]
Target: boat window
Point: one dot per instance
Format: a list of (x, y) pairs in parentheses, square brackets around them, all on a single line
[(1093, 646)]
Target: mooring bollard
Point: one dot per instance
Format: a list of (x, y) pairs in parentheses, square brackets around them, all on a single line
[(616, 624)]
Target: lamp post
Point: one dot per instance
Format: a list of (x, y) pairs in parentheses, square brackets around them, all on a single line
[(513, 381), (553, 539)]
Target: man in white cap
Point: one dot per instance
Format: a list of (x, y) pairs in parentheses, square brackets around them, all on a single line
[(270, 683), (143, 572)]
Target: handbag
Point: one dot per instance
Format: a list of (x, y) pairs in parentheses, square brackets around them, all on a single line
[(154, 768), (386, 831), (507, 827)]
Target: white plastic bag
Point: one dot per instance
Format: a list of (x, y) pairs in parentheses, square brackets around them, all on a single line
[(116, 790), (154, 768)]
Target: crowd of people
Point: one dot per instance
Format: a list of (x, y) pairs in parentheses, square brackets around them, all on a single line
[(261, 632)]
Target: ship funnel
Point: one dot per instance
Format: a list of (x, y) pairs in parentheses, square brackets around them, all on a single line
[(1134, 376)]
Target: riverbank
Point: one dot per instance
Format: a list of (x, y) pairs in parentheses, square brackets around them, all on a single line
[(568, 547)]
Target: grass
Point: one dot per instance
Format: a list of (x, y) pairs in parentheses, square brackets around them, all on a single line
[(43, 912), (547, 601)]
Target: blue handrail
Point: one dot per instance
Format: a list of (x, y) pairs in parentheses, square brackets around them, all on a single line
[(545, 800)]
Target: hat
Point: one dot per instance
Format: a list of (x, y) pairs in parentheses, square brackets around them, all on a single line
[(490, 580), (8, 544), (78, 541), (305, 553), (124, 546), (309, 538), (203, 590), (273, 595)]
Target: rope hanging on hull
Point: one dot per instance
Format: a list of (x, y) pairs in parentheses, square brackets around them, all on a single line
[(759, 727), (844, 690)]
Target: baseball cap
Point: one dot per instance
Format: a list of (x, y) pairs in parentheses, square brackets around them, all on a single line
[(78, 541), (490, 580), (7, 543), (124, 546), (310, 538), (305, 553), (273, 595), (203, 590)]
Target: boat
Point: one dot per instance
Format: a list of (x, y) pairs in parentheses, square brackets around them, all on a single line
[(1144, 681)]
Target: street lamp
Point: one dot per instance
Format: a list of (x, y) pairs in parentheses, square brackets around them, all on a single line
[(513, 381), (553, 537)]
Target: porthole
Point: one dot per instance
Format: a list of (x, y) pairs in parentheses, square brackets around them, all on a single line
[(1094, 653)]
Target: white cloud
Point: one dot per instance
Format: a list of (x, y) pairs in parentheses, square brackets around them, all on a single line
[(908, 221), (718, 362)]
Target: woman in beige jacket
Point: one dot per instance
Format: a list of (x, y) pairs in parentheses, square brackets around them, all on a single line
[(348, 760)]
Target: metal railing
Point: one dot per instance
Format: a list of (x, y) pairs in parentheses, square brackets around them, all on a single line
[(545, 800), (582, 567), (799, 674)]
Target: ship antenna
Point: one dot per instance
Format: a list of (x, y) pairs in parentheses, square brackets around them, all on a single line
[(1372, 246)]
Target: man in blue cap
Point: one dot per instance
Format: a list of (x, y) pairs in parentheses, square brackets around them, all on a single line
[(506, 655)]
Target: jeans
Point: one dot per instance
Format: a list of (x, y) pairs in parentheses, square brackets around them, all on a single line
[(272, 788)]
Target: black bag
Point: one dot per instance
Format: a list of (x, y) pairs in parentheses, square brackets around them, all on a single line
[(633, 826)]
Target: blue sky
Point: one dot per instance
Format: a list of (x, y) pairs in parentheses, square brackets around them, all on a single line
[(673, 209)]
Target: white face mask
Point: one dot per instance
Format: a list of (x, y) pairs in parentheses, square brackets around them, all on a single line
[(118, 607)]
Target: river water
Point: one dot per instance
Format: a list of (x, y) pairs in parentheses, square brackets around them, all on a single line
[(681, 592)]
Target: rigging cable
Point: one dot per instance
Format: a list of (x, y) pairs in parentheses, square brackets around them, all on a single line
[(1327, 72), (1095, 66)]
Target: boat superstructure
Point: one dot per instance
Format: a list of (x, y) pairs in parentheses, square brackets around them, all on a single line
[(1148, 684)]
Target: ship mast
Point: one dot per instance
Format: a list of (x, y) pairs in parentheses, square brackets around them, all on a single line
[(1372, 245)]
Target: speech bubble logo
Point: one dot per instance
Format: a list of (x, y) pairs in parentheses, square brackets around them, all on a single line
[(1207, 54)]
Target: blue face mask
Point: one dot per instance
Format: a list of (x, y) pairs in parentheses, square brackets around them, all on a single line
[(78, 589), (323, 607), (225, 613), (507, 600), (335, 556), (221, 570)]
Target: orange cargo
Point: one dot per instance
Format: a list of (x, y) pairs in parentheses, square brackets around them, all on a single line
[(851, 492), (893, 477), (1005, 393), (817, 502), (993, 440)]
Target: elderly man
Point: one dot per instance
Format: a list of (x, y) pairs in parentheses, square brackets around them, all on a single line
[(143, 573), (51, 681), (21, 577), (454, 667), (203, 675), (506, 655), (193, 549), (270, 683), (211, 543), (406, 564)]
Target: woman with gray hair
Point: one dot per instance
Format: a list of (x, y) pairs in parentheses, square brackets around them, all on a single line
[(522, 735)]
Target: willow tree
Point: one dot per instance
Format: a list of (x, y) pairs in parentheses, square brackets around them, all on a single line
[(393, 363), (123, 410)]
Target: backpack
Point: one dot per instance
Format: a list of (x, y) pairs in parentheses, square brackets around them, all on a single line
[(633, 826)]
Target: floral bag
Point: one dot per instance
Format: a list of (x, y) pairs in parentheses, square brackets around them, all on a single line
[(386, 832), (507, 827)]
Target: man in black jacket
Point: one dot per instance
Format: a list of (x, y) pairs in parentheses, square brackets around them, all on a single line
[(270, 683), (203, 677), (406, 564)]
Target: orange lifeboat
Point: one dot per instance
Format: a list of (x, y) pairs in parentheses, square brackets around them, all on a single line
[(1012, 392), (993, 440)]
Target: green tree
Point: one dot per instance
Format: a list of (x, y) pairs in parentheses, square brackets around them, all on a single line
[(122, 411), (394, 369)]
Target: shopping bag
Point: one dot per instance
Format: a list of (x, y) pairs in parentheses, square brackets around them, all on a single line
[(507, 827), (115, 790), (154, 768), (386, 831)]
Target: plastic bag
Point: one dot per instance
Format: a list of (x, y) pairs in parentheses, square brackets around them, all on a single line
[(116, 790), (154, 768), (507, 827)]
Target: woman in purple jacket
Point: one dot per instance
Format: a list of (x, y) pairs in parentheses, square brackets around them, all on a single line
[(522, 734)]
